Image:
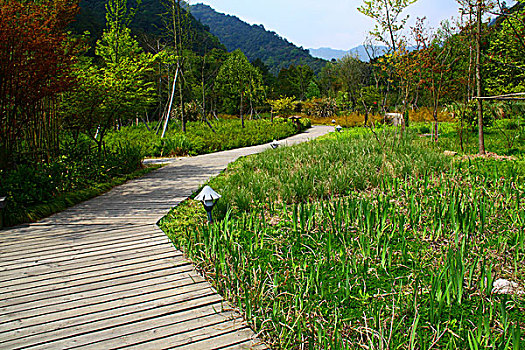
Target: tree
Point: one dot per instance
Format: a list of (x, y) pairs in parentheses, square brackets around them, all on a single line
[(178, 25), (294, 81), (283, 106), (387, 14), (36, 57), (476, 9), (506, 68), (329, 84), (116, 91), (437, 60), (239, 83), (389, 24), (352, 74)]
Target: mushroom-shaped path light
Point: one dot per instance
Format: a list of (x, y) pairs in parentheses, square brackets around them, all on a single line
[(274, 144), (338, 128), (208, 197)]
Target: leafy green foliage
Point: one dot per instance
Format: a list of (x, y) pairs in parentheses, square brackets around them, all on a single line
[(294, 81), (386, 14), (284, 106), (117, 90), (506, 69), (320, 107), (147, 24), (239, 84)]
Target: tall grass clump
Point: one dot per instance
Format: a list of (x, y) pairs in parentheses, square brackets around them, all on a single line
[(405, 257), (331, 167)]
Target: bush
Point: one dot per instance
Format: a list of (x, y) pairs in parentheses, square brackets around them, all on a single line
[(77, 168), (424, 129), (321, 107)]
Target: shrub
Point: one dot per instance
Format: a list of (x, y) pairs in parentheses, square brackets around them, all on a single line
[(78, 167), (424, 129), (321, 107)]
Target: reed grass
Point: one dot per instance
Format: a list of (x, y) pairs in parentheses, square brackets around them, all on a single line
[(363, 242)]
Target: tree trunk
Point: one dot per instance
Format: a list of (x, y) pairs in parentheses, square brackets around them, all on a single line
[(242, 117), (481, 136), (170, 105)]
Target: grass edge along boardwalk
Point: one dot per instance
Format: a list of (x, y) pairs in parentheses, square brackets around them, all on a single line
[(103, 275)]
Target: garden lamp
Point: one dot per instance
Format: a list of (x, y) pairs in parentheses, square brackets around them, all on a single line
[(209, 198), (2, 206), (275, 144), (333, 121), (338, 128)]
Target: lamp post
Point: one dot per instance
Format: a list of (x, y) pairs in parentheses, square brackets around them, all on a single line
[(2, 206), (209, 198)]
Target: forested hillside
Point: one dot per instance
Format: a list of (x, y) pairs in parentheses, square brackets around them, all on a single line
[(255, 41), (148, 24)]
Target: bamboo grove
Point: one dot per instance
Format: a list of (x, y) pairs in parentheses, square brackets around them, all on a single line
[(35, 61)]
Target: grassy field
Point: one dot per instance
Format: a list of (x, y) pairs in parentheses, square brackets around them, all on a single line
[(368, 241), (200, 138)]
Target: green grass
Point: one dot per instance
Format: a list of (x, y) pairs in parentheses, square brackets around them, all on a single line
[(357, 242), (200, 139)]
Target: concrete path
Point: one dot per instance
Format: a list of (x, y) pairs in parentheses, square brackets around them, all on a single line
[(102, 275)]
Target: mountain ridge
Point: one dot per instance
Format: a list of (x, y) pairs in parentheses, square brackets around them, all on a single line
[(147, 24), (255, 41), (359, 52)]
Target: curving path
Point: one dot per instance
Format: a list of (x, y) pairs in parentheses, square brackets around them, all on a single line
[(102, 275)]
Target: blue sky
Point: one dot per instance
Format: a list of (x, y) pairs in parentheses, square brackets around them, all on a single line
[(326, 23)]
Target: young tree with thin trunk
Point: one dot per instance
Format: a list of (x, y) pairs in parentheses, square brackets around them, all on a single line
[(239, 83), (389, 23), (481, 136)]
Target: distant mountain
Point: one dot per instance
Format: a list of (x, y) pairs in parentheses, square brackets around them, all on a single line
[(147, 24), (255, 41), (359, 52)]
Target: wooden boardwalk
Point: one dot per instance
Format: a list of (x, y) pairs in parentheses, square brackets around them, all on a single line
[(102, 275)]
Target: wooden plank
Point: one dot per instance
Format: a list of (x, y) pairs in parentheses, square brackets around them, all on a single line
[(88, 243), (29, 281), (68, 281), (112, 300), (65, 266), (76, 326), (83, 256), (223, 338), (67, 233), (62, 292), (146, 330), (254, 344), (193, 339)]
